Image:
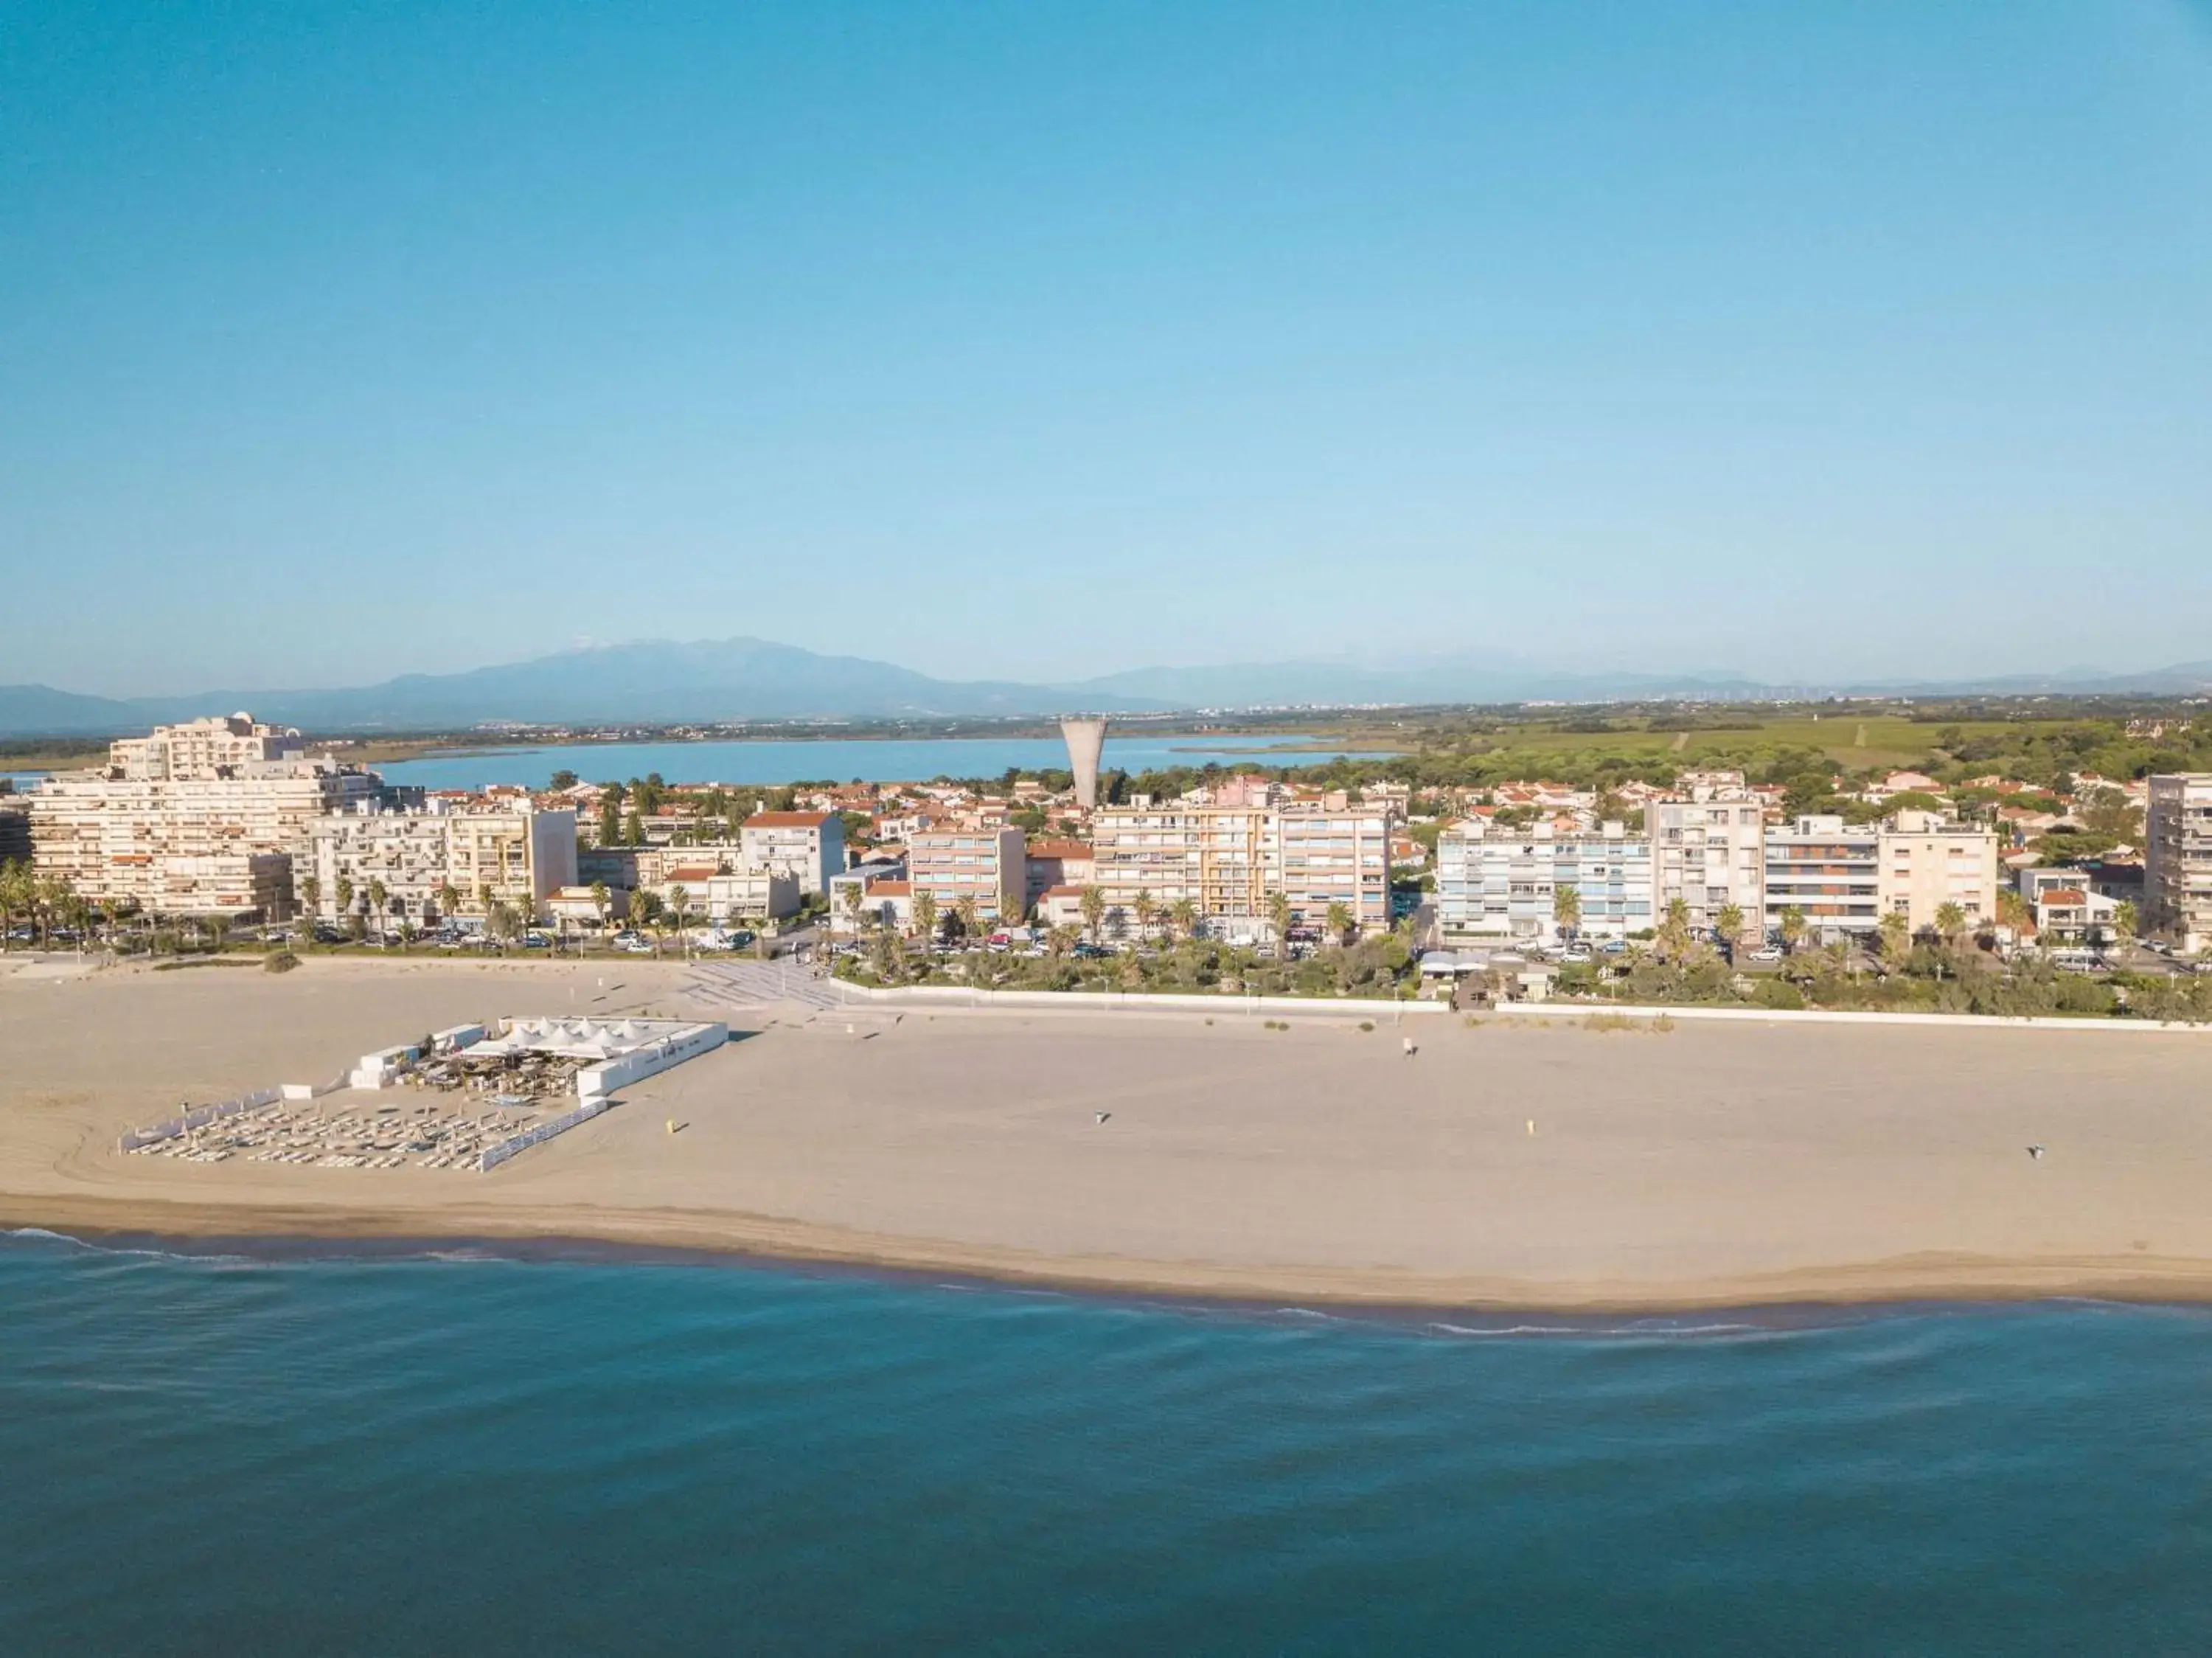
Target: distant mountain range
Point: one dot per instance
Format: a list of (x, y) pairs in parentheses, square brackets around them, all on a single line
[(655, 682)]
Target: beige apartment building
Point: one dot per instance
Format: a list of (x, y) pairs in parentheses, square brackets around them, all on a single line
[(189, 846), (1927, 861), (1709, 851), (203, 749), (970, 862), (2178, 859), (511, 854), (1231, 861)]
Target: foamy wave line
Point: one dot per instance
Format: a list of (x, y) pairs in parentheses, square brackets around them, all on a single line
[(1616, 1332), (136, 1250)]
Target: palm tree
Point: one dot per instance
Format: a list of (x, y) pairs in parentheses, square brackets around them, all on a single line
[(2126, 921), (1567, 908), (965, 910), (449, 901), (856, 905), (925, 915), (379, 895), (312, 890), (1896, 937), (1793, 928), (1950, 921), (1730, 925), (15, 899), (1279, 912), (1673, 939), (345, 896), (1185, 913), (1147, 911), (1340, 921), (602, 901), (1093, 905)]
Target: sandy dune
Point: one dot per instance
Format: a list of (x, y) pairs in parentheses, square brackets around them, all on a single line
[(1703, 1165)]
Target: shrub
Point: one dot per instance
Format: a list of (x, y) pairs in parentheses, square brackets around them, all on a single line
[(1367, 1024), (1780, 995), (279, 961)]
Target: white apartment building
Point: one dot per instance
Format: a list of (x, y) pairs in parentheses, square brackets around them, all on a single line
[(2178, 859), (1709, 851), (1231, 861), (514, 855), (203, 749), (1829, 871), (972, 862), (754, 892), (808, 846), (1928, 862), (1503, 884)]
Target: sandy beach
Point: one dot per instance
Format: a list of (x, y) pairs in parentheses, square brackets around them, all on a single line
[(1705, 1165)]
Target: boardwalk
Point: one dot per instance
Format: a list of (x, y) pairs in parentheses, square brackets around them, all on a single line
[(761, 983)]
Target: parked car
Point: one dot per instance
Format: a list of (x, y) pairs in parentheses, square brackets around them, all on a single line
[(1764, 952)]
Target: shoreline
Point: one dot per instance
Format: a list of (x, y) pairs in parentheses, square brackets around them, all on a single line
[(698, 1238)]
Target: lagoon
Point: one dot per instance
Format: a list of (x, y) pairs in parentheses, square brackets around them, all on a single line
[(841, 760)]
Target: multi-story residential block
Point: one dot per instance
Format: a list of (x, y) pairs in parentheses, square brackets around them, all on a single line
[(849, 909), (15, 830), (516, 855), (1048, 864), (203, 750), (753, 892), (184, 844), (1504, 883), (1828, 870), (1709, 851), (808, 846), (1927, 861), (2178, 859), (975, 862), (1333, 859), (1232, 862)]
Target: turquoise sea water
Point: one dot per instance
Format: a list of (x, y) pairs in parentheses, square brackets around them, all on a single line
[(477, 1455), (885, 761)]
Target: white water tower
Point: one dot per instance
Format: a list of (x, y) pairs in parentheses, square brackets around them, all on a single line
[(1086, 739)]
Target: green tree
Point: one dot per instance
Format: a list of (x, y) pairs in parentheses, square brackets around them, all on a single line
[(925, 915), (1896, 935), (311, 891), (1950, 923), (449, 901), (1673, 937), (1184, 913), (1567, 908), (1146, 912), (345, 895), (1793, 928), (1728, 922), (1279, 912), (1340, 921), (379, 896), (1093, 902), (602, 901)]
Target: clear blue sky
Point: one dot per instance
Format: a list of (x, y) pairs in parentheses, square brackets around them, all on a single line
[(337, 342)]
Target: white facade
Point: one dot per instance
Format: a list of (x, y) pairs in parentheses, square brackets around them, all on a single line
[(519, 856), (808, 846), (1504, 884)]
